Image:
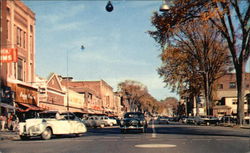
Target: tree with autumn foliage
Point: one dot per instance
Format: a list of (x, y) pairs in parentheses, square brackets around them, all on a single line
[(138, 97), (230, 17), (133, 91), (196, 56)]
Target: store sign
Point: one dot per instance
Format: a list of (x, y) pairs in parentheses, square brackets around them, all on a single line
[(24, 94), (8, 55)]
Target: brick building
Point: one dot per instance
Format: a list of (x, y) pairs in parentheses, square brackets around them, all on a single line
[(102, 99), (18, 40), (226, 95)]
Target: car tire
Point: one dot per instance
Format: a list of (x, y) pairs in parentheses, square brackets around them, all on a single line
[(47, 134), (24, 137)]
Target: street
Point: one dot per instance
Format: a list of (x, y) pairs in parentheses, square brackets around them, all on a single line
[(172, 138)]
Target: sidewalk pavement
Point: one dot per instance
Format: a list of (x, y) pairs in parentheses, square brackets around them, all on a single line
[(9, 135)]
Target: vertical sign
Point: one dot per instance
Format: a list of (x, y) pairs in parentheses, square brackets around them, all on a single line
[(8, 55)]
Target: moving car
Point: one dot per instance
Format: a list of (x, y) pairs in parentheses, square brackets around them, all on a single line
[(133, 121), (51, 123)]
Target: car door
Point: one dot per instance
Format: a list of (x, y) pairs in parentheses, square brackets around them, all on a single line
[(61, 126), (76, 126)]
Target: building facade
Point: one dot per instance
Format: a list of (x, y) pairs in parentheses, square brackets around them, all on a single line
[(101, 99), (18, 54), (226, 95)]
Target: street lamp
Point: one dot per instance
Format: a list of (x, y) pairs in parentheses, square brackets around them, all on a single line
[(109, 7), (67, 78), (164, 7), (206, 90)]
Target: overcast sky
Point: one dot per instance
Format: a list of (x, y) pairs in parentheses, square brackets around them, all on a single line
[(117, 46)]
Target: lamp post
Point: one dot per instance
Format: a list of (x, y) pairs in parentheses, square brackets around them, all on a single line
[(67, 73), (206, 91)]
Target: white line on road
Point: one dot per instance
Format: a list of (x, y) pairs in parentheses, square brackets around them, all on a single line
[(155, 146), (153, 128)]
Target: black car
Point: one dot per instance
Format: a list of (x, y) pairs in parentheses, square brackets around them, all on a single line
[(133, 121)]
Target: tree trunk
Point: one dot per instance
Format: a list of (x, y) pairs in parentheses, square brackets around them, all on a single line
[(240, 77)]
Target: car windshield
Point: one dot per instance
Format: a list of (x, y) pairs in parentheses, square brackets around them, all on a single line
[(133, 115), (47, 115)]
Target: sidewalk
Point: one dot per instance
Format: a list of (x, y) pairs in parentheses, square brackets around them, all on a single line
[(9, 135)]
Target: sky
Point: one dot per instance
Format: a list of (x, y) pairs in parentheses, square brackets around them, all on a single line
[(117, 45)]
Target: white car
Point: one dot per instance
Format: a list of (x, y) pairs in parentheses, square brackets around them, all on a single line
[(51, 123), (108, 120)]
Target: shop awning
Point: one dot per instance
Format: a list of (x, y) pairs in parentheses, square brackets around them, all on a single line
[(30, 107), (7, 106)]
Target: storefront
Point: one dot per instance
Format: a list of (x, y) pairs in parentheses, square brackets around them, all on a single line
[(25, 100)]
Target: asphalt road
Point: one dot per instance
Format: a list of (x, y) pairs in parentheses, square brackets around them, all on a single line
[(172, 138)]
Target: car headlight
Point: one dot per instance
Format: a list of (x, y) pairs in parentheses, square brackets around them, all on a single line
[(121, 122), (142, 122)]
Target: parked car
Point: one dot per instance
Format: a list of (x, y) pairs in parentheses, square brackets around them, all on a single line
[(162, 120), (110, 121), (133, 121), (206, 120), (51, 123), (190, 120), (183, 119), (95, 121), (228, 119)]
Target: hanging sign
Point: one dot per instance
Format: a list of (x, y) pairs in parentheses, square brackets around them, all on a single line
[(8, 55)]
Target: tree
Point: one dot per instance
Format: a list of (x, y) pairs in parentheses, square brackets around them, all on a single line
[(196, 55), (133, 91), (230, 17)]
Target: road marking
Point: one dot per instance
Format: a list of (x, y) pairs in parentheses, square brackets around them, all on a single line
[(131, 137), (109, 140), (202, 139), (111, 137), (153, 128), (155, 146)]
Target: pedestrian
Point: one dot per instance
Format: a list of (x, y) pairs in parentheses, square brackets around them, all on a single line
[(3, 119), (14, 122)]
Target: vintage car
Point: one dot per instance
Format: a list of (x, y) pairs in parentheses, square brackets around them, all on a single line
[(51, 123), (109, 120), (95, 121), (206, 120), (133, 121)]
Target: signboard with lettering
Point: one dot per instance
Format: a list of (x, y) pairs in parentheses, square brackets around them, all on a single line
[(24, 94), (8, 55)]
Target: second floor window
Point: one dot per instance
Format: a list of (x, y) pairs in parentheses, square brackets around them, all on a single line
[(220, 86), (20, 69), (232, 85)]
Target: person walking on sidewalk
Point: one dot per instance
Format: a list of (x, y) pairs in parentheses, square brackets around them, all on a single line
[(3, 119), (13, 122)]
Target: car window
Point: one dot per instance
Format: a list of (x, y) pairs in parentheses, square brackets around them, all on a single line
[(134, 115)]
